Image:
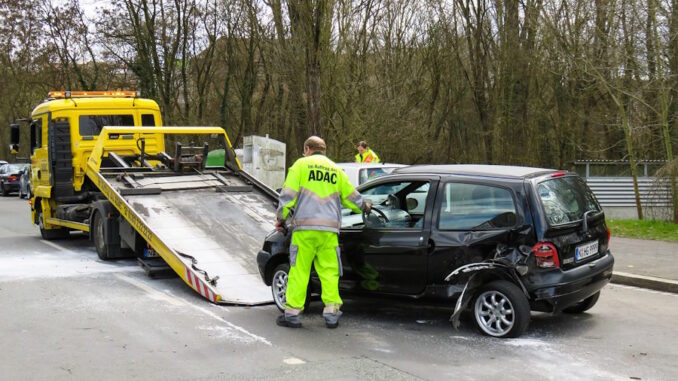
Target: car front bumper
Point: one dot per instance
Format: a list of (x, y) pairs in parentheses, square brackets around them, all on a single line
[(557, 290), (262, 260)]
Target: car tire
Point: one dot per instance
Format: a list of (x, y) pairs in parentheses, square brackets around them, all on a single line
[(51, 234), (3, 190), (99, 236), (500, 309), (279, 287), (584, 305)]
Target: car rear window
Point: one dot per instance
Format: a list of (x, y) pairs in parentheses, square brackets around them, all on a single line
[(566, 199), (91, 125), (475, 206), (16, 168)]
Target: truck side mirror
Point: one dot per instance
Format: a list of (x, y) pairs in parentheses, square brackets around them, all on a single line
[(14, 138)]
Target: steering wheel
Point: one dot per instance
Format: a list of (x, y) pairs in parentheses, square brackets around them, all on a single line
[(376, 211)]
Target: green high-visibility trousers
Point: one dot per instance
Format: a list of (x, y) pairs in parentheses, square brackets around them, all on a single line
[(320, 248)]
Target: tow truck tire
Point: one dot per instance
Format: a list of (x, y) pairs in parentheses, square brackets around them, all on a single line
[(51, 234), (279, 287), (99, 236), (584, 305), (501, 309)]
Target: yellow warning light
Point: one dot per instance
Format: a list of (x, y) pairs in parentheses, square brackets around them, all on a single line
[(93, 94)]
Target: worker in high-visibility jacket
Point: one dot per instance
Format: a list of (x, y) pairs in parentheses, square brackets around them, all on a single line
[(365, 154), (315, 189)]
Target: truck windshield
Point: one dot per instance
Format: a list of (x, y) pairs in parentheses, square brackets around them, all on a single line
[(566, 199), (91, 125)]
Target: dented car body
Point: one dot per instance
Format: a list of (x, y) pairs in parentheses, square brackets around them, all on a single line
[(499, 240)]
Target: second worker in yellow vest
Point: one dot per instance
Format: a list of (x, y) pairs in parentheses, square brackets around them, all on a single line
[(315, 189), (365, 154)]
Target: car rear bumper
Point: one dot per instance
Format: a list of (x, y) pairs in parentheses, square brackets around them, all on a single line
[(557, 290), (12, 186)]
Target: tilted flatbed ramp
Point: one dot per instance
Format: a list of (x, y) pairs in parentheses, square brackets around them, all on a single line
[(207, 225)]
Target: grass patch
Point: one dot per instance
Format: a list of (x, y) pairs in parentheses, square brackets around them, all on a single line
[(644, 229)]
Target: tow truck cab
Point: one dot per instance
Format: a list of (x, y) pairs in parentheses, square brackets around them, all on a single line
[(63, 131)]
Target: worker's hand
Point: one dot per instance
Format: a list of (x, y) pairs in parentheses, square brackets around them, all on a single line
[(367, 206), (280, 226)]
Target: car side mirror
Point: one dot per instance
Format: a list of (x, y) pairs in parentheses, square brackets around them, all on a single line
[(412, 203), (14, 136)]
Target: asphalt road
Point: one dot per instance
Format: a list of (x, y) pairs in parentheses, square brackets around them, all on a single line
[(66, 315)]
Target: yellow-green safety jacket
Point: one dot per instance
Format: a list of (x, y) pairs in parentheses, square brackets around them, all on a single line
[(316, 189), (368, 156)]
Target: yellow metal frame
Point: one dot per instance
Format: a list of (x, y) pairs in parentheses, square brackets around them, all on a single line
[(67, 224)]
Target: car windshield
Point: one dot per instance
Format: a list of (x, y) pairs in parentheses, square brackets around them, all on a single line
[(566, 199), (367, 174)]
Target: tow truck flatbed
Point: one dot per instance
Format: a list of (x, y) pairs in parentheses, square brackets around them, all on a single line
[(207, 224)]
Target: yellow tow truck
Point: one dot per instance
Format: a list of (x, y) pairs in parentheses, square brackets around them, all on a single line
[(102, 163)]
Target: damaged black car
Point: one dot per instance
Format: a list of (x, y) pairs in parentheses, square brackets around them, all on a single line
[(500, 241)]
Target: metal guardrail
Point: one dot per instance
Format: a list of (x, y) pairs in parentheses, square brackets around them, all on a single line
[(618, 191)]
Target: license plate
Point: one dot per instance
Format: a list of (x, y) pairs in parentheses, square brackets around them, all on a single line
[(586, 250)]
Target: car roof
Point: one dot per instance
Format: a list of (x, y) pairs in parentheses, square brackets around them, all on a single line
[(363, 165), (506, 171)]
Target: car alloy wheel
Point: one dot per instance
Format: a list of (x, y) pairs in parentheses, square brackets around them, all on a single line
[(494, 313), (279, 286)]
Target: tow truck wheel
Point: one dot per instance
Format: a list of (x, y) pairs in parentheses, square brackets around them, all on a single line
[(50, 234), (99, 236), (501, 310), (279, 287)]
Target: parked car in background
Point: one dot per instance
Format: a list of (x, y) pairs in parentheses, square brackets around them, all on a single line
[(360, 173), (9, 178), (497, 240), (25, 182)]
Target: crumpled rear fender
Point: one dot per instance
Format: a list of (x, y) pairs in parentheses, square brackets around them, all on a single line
[(475, 275)]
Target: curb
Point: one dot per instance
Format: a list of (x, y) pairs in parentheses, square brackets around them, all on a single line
[(650, 282)]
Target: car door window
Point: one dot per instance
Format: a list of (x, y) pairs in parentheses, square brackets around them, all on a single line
[(476, 207), (402, 202)]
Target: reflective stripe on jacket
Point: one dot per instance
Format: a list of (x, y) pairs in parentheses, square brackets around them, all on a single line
[(368, 157), (316, 189)]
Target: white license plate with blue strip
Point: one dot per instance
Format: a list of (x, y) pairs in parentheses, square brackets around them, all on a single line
[(586, 250)]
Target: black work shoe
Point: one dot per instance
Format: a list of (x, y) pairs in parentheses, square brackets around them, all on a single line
[(288, 321), (332, 320)]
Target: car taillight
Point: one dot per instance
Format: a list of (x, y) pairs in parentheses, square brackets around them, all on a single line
[(607, 229), (12, 178), (546, 255)]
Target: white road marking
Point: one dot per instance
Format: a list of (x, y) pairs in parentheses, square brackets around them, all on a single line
[(153, 293), (168, 297), (57, 246), (236, 327), (293, 361)]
